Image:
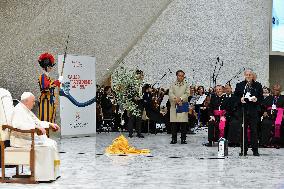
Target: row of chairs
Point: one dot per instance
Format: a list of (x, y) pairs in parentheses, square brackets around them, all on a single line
[(108, 125)]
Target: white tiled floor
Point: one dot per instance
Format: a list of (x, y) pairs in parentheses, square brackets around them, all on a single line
[(193, 169)]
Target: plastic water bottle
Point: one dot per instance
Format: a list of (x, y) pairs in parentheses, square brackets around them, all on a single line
[(222, 148)]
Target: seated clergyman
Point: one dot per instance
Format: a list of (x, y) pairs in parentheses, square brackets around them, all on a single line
[(46, 156)]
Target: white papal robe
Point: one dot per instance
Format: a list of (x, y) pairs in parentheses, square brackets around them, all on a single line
[(46, 155)]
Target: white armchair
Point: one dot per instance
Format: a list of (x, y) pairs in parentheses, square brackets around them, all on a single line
[(12, 155)]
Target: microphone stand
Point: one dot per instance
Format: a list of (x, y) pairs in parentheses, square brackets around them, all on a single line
[(162, 77), (222, 64), (213, 75), (243, 127), (193, 76), (243, 124), (235, 76)]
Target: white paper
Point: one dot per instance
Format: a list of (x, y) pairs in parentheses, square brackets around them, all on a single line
[(164, 101), (248, 95), (193, 100), (201, 99)]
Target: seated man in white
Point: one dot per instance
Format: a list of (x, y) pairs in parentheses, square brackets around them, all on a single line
[(46, 155)]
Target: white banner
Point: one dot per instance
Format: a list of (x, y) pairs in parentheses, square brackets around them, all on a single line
[(77, 105)]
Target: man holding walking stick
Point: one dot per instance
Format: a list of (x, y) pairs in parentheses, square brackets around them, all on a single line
[(250, 96)]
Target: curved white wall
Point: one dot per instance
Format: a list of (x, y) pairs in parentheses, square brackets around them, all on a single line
[(102, 28), (190, 34)]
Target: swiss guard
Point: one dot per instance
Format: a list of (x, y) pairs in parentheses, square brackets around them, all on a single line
[(47, 108)]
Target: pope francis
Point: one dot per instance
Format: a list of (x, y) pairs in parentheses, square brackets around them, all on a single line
[(46, 155)]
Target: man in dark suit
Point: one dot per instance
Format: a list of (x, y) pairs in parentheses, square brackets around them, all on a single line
[(272, 126), (228, 93), (250, 95), (106, 103), (136, 120), (217, 115)]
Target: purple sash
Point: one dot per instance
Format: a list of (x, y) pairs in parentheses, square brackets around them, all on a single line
[(222, 124), (278, 121)]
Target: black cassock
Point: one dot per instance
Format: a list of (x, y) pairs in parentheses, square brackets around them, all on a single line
[(216, 103), (250, 109), (234, 121), (106, 106), (268, 123)]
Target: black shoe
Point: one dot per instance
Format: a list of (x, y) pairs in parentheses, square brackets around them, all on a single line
[(130, 135), (277, 146), (245, 154), (255, 152), (183, 142), (173, 142), (209, 144), (140, 136)]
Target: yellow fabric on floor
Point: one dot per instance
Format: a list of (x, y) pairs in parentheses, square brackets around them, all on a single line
[(120, 146)]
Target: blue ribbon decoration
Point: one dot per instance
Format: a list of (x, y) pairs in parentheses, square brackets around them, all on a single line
[(65, 92)]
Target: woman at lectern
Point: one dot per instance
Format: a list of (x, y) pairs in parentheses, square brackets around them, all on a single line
[(47, 108)]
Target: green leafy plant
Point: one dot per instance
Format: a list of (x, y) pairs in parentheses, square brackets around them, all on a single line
[(126, 85)]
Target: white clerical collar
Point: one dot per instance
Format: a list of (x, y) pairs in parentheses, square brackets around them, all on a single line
[(46, 73)]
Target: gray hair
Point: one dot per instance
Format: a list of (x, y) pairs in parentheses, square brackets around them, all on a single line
[(248, 70)]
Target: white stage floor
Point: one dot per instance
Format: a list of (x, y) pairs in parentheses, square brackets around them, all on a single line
[(193, 168)]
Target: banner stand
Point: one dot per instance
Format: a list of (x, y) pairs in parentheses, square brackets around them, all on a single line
[(77, 96)]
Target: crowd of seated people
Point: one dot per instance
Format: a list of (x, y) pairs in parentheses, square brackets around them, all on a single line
[(155, 114)]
